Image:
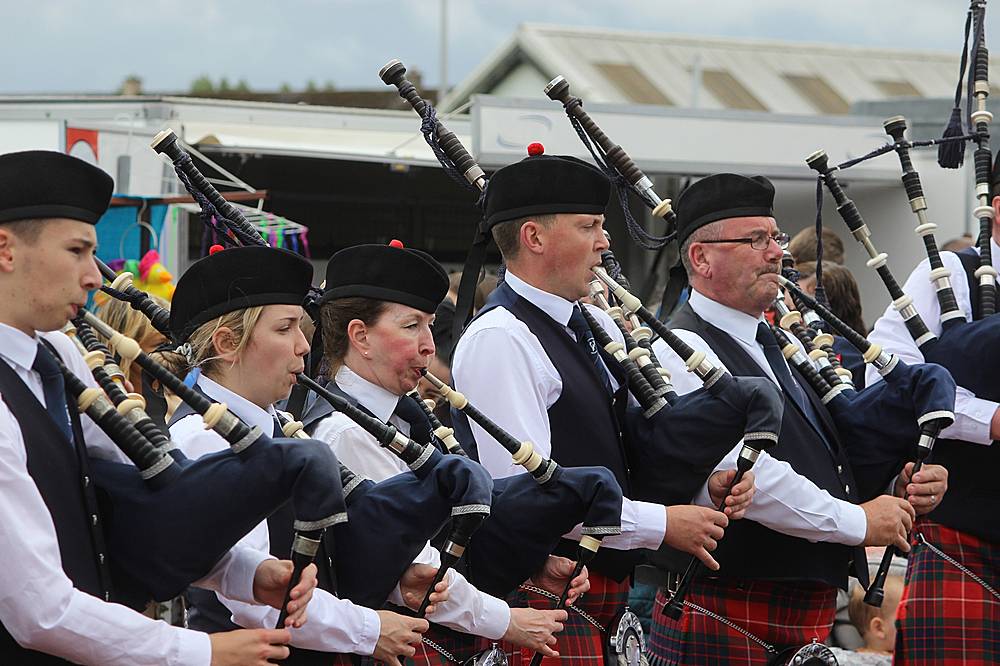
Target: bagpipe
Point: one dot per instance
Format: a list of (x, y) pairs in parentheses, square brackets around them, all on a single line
[(222, 496), (697, 430), (809, 329), (960, 345), (877, 423), (463, 486)]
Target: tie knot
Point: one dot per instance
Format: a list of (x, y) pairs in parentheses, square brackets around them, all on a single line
[(577, 323), (45, 364), (765, 338)]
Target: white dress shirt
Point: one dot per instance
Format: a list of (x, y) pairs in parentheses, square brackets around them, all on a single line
[(784, 501), (972, 414), (504, 371), (38, 604), (468, 609), (335, 625)]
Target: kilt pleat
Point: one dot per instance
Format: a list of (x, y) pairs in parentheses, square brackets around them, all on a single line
[(781, 614), (946, 617)]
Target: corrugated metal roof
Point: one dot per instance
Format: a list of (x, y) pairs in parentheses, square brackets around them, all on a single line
[(616, 66)]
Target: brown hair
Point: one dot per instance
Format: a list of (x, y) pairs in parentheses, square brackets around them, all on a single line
[(803, 246), (507, 234), (861, 614), (335, 315), (841, 290), (27, 230)]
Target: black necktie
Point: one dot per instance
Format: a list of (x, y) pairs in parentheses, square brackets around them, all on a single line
[(778, 365), (278, 431), (420, 426), (585, 338), (54, 390)]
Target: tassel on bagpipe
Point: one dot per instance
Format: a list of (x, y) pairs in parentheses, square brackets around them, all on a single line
[(468, 484), (223, 495), (913, 403), (558, 91), (726, 410)]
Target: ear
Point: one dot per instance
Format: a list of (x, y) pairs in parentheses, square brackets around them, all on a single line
[(224, 342), (532, 237), (996, 218), (700, 264), (357, 335), (877, 627), (7, 242)]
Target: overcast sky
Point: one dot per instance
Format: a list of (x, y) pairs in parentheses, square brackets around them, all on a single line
[(92, 45)]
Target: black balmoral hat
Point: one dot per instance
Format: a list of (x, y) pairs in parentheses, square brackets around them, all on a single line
[(544, 184), (45, 184), (235, 279), (721, 196), (386, 273)]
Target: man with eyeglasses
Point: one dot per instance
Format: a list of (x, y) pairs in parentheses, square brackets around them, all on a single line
[(781, 567)]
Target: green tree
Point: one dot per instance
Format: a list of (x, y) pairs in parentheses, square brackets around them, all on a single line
[(202, 86), (242, 86)]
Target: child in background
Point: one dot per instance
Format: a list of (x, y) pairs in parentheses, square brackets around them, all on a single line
[(877, 626)]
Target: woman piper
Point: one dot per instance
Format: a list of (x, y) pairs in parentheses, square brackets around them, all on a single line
[(237, 315), (376, 315)]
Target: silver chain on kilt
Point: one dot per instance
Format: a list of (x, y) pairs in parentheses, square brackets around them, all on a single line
[(527, 588), (958, 565), (548, 595)]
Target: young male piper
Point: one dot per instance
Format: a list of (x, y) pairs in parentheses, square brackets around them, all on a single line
[(964, 525), (529, 362), (781, 567), (54, 583)]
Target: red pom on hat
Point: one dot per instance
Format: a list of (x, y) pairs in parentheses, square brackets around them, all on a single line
[(396, 243), (535, 148), (215, 248)]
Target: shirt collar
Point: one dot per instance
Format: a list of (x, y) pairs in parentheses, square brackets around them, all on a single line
[(738, 324), (377, 400), (250, 413), (554, 306), (16, 346)]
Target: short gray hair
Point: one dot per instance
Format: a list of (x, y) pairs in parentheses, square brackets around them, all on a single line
[(711, 231)]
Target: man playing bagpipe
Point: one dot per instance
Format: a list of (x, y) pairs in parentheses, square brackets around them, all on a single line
[(55, 587), (951, 608), (529, 361), (781, 567)]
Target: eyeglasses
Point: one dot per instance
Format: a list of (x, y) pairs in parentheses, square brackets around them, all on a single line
[(760, 241)]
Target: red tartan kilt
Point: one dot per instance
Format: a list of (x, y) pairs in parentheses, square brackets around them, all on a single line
[(580, 642), (945, 617), (782, 614)]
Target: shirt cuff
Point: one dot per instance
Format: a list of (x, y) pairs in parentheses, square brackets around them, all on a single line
[(194, 647), (973, 418), (237, 579), (370, 631), (495, 618), (853, 524)]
